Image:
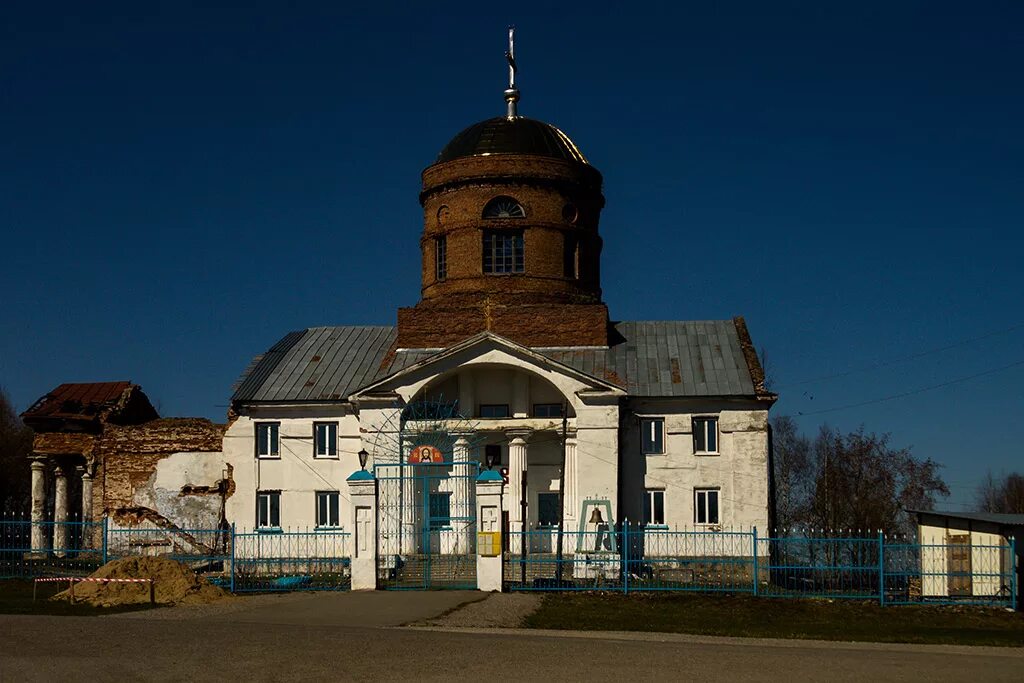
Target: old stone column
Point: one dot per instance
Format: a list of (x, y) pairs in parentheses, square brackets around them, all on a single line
[(362, 487), (569, 480), (516, 473), (462, 504), (38, 505), (60, 512), (87, 534)]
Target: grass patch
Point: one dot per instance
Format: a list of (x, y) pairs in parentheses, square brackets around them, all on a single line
[(16, 598), (747, 616)]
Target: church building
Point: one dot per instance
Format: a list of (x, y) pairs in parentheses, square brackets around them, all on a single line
[(510, 361)]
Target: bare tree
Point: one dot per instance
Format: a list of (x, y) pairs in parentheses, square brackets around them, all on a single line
[(1004, 495), (15, 448), (791, 463), (849, 481)]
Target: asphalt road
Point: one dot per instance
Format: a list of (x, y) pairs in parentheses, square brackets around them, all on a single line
[(320, 637)]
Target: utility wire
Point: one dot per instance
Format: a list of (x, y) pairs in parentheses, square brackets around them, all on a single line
[(913, 392), (902, 359)]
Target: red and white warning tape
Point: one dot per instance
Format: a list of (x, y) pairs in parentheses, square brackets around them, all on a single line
[(89, 578)]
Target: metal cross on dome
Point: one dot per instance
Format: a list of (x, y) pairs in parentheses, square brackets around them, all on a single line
[(512, 93)]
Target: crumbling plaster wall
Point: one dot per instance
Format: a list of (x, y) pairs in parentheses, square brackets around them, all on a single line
[(168, 470)]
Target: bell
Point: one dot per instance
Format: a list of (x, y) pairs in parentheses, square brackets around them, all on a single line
[(595, 517)]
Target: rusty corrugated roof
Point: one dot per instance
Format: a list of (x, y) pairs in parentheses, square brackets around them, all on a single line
[(78, 400)]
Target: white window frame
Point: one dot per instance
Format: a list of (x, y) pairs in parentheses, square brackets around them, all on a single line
[(271, 447), (262, 496), (329, 495), (649, 495), (706, 420), (697, 506), (330, 442), (643, 426)]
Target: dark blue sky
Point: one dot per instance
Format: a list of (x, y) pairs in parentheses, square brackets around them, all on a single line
[(180, 186)]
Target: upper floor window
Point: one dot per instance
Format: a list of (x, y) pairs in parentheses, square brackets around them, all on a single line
[(547, 410), (494, 410), (504, 207), (268, 440), (440, 257), (652, 435), (705, 435), (503, 251), (325, 438)]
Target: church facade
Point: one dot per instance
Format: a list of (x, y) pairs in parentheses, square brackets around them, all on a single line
[(509, 358)]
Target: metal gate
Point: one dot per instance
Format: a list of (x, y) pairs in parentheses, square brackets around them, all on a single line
[(426, 525)]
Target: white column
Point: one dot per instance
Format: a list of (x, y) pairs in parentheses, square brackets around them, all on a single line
[(362, 489), (86, 494), (569, 480), (410, 502), (488, 548), (60, 512), (462, 503), (38, 505), (516, 470)]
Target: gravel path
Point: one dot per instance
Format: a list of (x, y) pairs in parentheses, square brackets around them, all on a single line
[(497, 610)]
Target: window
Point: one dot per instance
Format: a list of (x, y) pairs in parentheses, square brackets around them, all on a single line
[(503, 251), (325, 437), (268, 509), (547, 509), (494, 410), (504, 207), (705, 506), (547, 410), (327, 508), (570, 253), (654, 507), (653, 435), (268, 441), (440, 510), (705, 435), (440, 257)]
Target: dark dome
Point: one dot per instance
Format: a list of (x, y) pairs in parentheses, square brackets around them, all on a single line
[(519, 135)]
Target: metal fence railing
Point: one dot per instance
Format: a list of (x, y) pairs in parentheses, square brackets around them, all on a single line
[(242, 561), (884, 568)]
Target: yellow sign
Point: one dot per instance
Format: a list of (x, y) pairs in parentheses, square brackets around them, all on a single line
[(488, 543)]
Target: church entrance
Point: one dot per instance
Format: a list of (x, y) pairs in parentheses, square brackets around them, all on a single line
[(426, 527)]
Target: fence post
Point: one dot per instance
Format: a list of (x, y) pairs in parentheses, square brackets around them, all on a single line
[(753, 536), (1013, 573), (104, 532), (232, 557), (881, 568), (625, 557)]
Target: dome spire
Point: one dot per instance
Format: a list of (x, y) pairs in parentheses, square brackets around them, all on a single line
[(512, 93)]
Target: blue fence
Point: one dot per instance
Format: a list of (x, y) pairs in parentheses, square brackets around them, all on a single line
[(886, 569), (253, 561)]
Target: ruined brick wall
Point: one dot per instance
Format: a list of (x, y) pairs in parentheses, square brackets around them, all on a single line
[(542, 306), (128, 457)]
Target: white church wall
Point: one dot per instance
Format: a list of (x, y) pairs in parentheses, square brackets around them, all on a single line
[(739, 472)]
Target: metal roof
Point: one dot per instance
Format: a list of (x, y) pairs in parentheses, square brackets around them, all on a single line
[(664, 358), (78, 400), (519, 135), (990, 517)]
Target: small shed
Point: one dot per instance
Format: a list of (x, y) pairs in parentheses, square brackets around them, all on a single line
[(967, 555)]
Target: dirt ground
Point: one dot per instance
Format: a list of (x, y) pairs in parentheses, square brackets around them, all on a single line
[(172, 584)]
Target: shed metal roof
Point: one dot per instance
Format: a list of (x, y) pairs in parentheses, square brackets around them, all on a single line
[(664, 358), (990, 517)]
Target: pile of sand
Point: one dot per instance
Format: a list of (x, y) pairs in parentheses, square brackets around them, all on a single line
[(174, 584)]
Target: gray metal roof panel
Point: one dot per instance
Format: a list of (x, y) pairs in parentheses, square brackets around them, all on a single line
[(709, 356)]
